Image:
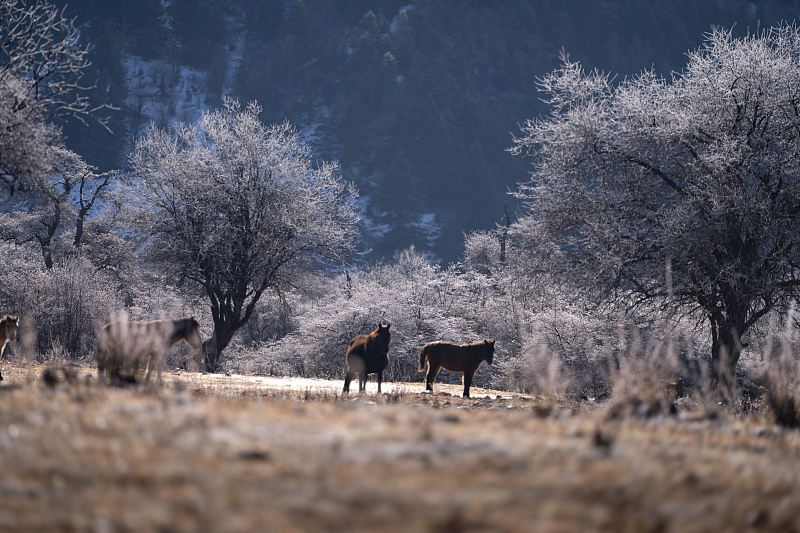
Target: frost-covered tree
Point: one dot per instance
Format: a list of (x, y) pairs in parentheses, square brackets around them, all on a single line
[(683, 192), (41, 66), (235, 206), (61, 197), (482, 251)]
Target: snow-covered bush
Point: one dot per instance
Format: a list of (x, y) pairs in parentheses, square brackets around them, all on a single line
[(59, 306), (423, 302)]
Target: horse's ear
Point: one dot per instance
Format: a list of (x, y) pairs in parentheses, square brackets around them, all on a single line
[(388, 325)]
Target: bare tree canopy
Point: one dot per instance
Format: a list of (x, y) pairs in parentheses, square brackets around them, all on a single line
[(65, 192), (41, 66), (234, 205), (685, 192)]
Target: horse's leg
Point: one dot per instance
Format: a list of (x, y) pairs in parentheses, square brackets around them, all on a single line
[(159, 360), (433, 371), (468, 373), (2, 351), (101, 356), (348, 377), (380, 378), (108, 365), (150, 361), (112, 367), (362, 382)]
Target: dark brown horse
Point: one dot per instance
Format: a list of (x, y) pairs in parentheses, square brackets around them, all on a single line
[(8, 332), (464, 358), (368, 354), (133, 344)]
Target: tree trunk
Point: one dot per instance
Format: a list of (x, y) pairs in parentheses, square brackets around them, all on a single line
[(79, 228), (726, 347), (229, 313), (212, 348), (46, 239), (47, 255)]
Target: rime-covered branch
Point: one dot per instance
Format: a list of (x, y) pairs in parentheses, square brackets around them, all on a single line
[(42, 62), (701, 172), (235, 205)]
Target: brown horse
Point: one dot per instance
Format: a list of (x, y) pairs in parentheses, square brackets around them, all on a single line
[(136, 343), (464, 358), (368, 354), (8, 332)]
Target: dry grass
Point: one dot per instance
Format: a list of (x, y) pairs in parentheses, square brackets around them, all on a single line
[(229, 454)]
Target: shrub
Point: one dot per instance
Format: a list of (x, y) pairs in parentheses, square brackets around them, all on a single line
[(775, 371), (422, 301), (60, 307)]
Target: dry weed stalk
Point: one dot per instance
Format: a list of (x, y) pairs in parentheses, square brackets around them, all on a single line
[(779, 372), (659, 376)]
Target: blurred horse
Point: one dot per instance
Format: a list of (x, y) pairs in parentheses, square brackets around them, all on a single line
[(8, 332), (368, 354), (134, 343), (464, 358)]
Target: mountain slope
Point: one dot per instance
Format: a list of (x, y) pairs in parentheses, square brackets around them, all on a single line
[(417, 101)]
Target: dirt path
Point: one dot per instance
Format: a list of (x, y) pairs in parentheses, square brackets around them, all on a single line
[(236, 454)]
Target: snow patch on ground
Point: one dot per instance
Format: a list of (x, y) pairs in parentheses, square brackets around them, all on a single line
[(394, 26), (317, 117), (321, 384), (429, 227), (165, 94), (372, 227)]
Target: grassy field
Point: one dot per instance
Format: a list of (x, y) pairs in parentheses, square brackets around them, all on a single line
[(235, 454)]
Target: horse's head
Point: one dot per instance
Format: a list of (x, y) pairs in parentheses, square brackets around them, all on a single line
[(488, 346), (193, 333), (384, 336), (9, 324)]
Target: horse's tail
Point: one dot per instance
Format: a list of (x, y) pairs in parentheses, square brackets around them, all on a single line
[(422, 356)]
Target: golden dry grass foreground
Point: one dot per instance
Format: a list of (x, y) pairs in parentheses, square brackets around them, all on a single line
[(235, 454)]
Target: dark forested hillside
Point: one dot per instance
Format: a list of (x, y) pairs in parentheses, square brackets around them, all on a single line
[(418, 101)]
